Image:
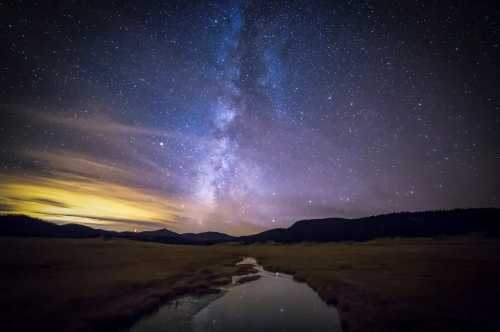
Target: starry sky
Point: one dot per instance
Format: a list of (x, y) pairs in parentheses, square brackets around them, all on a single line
[(240, 116)]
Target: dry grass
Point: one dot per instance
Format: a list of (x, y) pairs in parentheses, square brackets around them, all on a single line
[(243, 269), (449, 284), (63, 284), (246, 279)]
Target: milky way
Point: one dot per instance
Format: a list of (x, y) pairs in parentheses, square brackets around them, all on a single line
[(242, 116)]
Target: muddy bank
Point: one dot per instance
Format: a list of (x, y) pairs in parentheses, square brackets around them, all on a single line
[(122, 312)]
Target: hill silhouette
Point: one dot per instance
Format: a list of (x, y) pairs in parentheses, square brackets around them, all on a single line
[(21, 225), (403, 224), (166, 236)]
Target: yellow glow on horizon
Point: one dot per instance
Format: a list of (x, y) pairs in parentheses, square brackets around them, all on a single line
[(96, 203)]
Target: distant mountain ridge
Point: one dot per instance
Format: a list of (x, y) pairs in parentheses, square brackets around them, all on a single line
[(402, 224), (166, 236), (21, 225)]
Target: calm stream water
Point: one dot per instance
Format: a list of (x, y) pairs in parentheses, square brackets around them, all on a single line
[(275, 302)]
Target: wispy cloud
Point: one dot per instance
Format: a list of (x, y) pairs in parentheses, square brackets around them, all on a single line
[(108, 174), (75, 200), (105, 205)]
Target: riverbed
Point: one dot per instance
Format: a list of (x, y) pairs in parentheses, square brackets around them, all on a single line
[(273, 302)]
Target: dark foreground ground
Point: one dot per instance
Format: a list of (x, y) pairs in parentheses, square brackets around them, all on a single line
[(447, 284), (96, 284), (450, 284)]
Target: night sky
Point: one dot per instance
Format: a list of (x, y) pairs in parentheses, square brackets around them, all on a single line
[(243, 116)]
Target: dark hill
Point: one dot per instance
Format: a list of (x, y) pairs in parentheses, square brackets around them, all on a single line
[(19, 225), (166, 236), (160, 233), (404, 224), (208, 237)]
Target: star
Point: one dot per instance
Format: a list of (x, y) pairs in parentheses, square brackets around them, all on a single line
[(239, 115)]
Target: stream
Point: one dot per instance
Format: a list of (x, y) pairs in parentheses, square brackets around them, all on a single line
[(274, 302)]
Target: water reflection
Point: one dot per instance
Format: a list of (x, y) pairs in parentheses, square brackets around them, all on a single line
[(275, 302)]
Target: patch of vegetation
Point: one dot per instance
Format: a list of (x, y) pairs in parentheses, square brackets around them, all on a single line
[(425, 284), (246, 279), (243, 269), (88, 284)]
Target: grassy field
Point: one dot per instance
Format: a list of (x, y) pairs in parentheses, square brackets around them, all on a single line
[(61, 284), (449, 284)]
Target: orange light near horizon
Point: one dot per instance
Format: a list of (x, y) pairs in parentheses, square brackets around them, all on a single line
[(102, 204), (96, 203)]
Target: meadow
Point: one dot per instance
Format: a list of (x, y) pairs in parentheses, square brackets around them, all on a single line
[(421, 284), (426, 284), (97, 284)]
